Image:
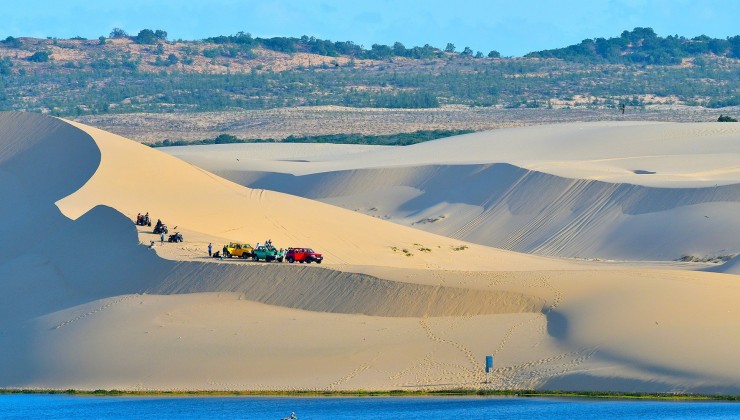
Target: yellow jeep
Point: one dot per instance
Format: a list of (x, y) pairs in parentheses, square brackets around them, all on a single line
[(234, 249)]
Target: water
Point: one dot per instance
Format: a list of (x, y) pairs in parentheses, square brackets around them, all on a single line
[(365, 408)]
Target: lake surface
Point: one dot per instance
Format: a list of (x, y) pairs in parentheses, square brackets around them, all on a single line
[(310, 408)]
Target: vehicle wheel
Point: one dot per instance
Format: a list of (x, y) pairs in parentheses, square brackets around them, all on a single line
[(254, 258), (318, 262), (308, 261), (280, 260), (291, 260)]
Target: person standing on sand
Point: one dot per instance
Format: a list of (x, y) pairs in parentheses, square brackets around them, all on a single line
[(210, 248), (161, 237)]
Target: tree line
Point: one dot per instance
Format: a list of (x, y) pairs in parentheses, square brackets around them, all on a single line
[(643, 46), (400, 139)]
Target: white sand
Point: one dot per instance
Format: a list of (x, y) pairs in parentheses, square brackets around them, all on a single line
[(84, 303), (614, 191)]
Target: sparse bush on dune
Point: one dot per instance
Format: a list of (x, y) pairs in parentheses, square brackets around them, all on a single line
[(716, 259)]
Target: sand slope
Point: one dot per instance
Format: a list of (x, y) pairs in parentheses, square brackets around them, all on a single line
[(134, 178), (85, 304), (626, 191)]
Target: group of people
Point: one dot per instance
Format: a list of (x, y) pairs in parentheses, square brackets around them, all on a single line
[(143, 220), (160, 228)]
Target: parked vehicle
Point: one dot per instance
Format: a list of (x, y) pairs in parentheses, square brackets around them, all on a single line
[(239, 250), (160, 228), (175, 237), (302, 255), (267, 253), (143, 220)]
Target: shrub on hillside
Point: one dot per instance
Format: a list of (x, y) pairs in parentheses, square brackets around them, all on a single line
[(40, 57)]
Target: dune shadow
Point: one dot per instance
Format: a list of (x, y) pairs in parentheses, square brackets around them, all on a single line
[(557, 325)]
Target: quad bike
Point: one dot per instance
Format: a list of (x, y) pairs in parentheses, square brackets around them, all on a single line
[(160, 228), (144, 221), (175, 237)]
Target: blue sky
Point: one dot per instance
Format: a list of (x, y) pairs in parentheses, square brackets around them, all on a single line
[(513, 28)]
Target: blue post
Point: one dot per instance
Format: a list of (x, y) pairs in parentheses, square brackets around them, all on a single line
[(489, 366)]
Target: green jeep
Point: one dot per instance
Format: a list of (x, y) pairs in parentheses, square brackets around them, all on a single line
[(267, 253)]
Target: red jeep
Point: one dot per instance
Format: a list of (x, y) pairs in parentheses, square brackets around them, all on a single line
[(302, 255)]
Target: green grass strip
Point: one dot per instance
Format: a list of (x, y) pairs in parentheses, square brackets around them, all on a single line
[(389, 393)]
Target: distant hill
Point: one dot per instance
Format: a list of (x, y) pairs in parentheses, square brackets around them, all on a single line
[(147, 72), (643, 46)]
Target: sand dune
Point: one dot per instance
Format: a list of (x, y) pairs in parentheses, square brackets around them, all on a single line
[(730, 267), (134, 178), (85, 304), (509, 207), (623, 191)]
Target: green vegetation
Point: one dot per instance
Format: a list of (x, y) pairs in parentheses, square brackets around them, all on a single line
[(716, 259), (115, 83), (394, 393), (643, 46), (726, 118), (400, 139), (422, 248), (231, 72), (11, 42), (5, 65), (40, 57), (325, 47), (118, 33), (149, 37)]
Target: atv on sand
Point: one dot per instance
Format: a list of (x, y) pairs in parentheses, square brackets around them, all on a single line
[(175, 237)]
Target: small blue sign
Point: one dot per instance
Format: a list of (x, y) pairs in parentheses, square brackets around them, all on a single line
[(489, 363)]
